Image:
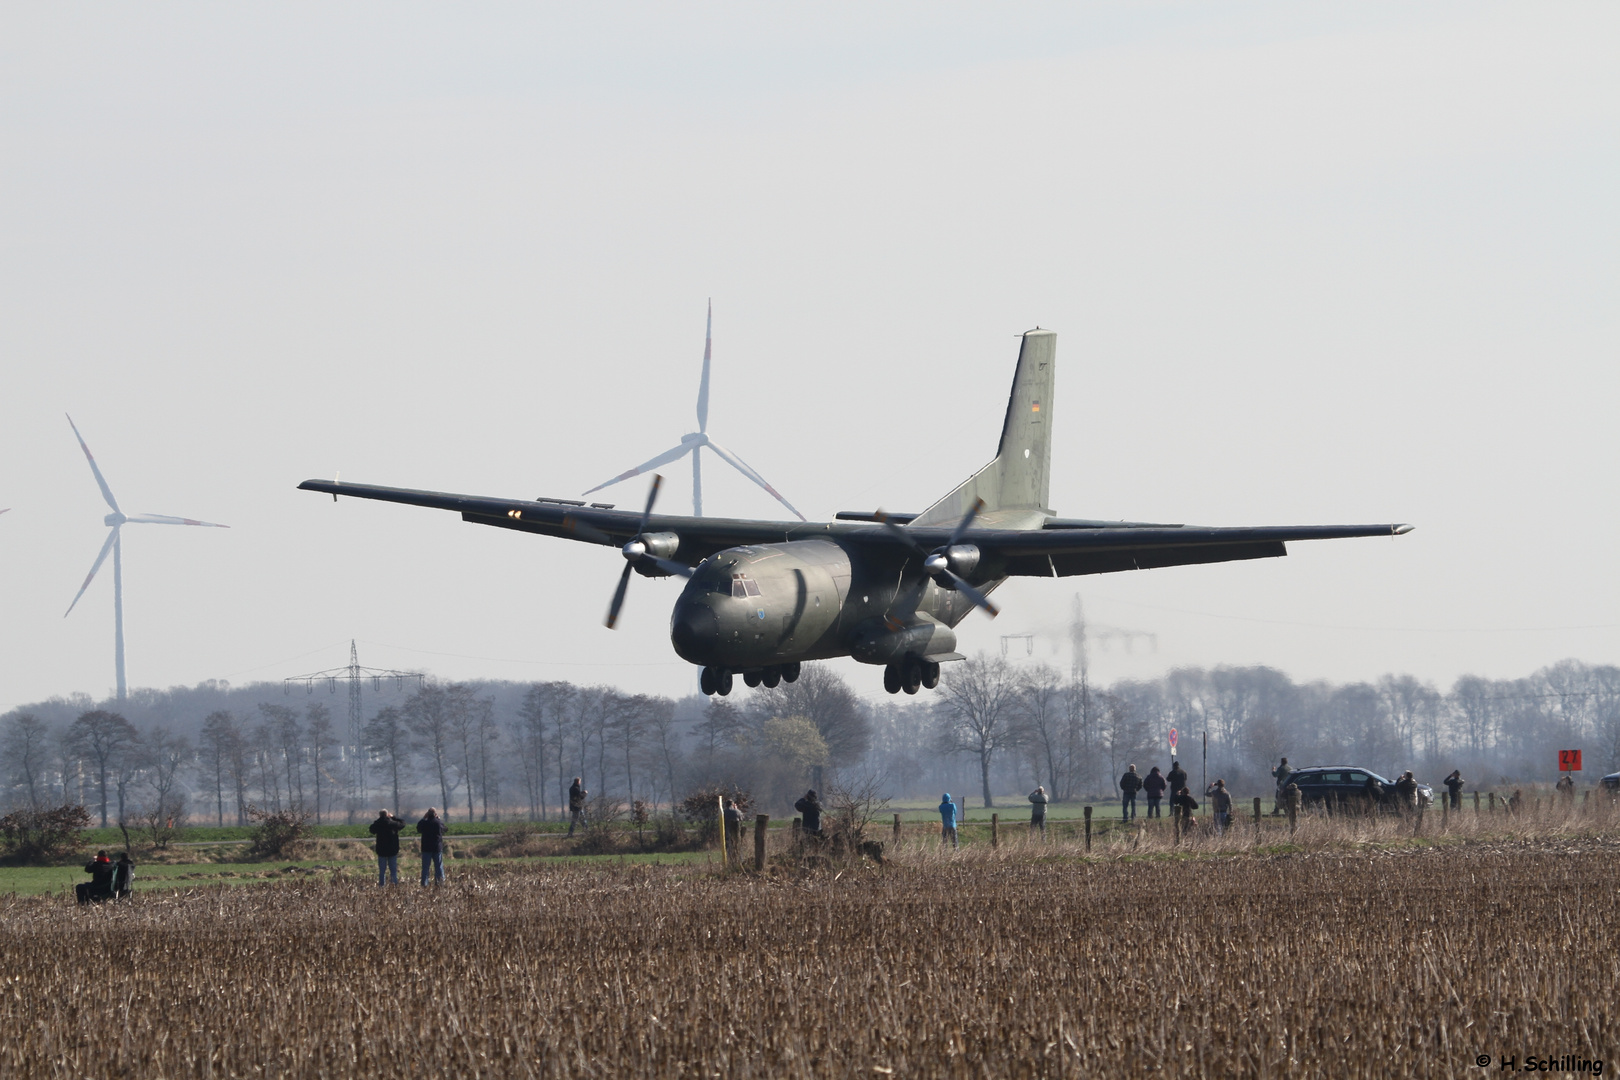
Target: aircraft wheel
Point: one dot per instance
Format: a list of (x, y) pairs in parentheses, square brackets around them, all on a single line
[(891, 678), (751, 679), (790, 672), (772, 678), (930, 674), (706, 681), (722, 683), (913, 676)]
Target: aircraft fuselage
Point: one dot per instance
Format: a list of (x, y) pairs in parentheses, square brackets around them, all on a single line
[(761, 605)]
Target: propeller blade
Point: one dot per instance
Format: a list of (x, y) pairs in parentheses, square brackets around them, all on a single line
[(618, 596), (703, 385), (966, 523), (652, 497), (737, 463), (164, 519), (106, 492), (662, 459), (905, 537), (112, 538), (973, 594)]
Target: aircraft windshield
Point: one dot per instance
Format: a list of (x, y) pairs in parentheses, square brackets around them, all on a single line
[(742, 585)]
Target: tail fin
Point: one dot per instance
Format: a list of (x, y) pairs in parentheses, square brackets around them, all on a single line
[(1015, 486)]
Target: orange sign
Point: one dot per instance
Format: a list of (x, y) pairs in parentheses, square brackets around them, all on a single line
[(1569, 761)]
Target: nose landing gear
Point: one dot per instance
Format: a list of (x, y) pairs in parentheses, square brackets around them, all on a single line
[(911, 674)]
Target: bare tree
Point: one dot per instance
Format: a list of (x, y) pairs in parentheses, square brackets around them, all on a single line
[(827, 701), (480, 768), (104, 739), (285, 737), (388, 735), (1044, 720), (664, 740), (26, 745), (217, 743), (163, 805), (318, 729), (431, 714), (544, 705), (978, 712)]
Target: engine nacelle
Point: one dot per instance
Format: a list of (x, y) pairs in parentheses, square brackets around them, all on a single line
[(658, 545), (876, 643)]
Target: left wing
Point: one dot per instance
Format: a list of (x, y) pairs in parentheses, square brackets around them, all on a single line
[(570, 519)]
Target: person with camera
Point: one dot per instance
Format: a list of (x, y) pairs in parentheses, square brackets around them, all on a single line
[(386, 829), (576, 805), (432, 829)]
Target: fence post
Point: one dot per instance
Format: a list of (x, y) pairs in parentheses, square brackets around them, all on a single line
[(725, 856), (897, 828), (795, 836), (1476, 804), (1257, 820), (1492, 797), (995, 830), (760, 824), (1087, 813), (1445, 811), (1293, 814)]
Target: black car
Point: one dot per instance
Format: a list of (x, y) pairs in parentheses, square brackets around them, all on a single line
[(1611, 783), (1347, 785)]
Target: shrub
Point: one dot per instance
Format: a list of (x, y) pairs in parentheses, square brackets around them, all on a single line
[(702, 808), (278, 834), (34, 837)]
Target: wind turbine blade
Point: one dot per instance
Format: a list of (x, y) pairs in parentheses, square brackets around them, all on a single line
[(112, 538), (162, 519), (106, 492), (737, 463), (703, 384), (662, 459)]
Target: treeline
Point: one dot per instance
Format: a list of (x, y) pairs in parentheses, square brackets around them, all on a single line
[(488, 750)]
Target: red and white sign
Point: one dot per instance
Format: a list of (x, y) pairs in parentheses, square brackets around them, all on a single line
[(1172, 739), (1569, 761)]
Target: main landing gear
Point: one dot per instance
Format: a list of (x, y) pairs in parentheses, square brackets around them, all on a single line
[(911, 674), (717, 680)]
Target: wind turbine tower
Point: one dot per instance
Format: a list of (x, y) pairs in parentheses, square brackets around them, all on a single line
[(694, 443), (116, 521)]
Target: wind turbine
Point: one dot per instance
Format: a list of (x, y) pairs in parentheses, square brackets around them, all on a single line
[(117, 520), (694, 443)]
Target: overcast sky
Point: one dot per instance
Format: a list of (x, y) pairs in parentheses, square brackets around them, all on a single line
[(1306, 263)]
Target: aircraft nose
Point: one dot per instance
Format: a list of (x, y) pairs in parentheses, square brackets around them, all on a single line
[(694, 631)]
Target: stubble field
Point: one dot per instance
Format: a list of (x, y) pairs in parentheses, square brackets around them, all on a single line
[(986, 964)]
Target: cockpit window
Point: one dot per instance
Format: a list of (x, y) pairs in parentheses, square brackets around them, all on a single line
[(742, 585)]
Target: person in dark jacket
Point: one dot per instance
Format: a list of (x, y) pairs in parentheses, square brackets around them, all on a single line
[(1037, 810), (1129, 785), (1153, 786), (99, 887), (1406, 793), (733, 817), (1182, 806), (432, 830), (386, 829), (810, 808), (1374, 791), (1282, 773), (576, 805), (123, 879), (1454, 785), (947, 820), (1220, 804), (1178, 780)]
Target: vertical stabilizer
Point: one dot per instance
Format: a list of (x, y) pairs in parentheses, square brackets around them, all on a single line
[(1015, 486)]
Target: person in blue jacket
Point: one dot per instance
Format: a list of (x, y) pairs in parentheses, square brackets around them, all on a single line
[(947, 817)]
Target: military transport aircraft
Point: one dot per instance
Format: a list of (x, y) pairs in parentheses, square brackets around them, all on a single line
[(764, 596)]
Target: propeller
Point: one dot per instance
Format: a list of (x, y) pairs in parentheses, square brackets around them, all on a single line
[(635, 552), (937, 563)]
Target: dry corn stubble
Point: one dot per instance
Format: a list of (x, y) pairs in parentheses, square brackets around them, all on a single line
[(1325, 964)]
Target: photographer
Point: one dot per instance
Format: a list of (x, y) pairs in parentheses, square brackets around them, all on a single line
[(386, 829), (432, 831)]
